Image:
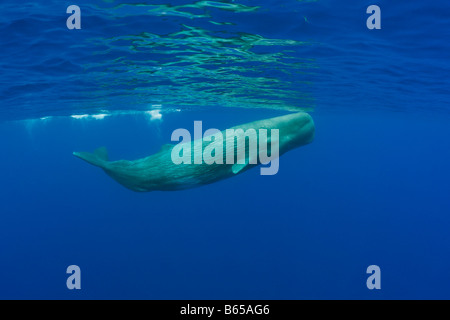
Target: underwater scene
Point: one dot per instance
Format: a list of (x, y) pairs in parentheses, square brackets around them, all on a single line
[(227, 149)]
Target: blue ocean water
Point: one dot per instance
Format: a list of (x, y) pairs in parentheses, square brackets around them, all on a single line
[(372, 189)]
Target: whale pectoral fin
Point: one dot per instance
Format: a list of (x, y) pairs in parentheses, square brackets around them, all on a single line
[(250, 159), (237, 167)]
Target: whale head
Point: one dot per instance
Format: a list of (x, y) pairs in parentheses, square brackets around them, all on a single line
[(296, 130)]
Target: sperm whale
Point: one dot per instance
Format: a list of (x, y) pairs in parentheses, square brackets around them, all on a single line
[(161, 172)]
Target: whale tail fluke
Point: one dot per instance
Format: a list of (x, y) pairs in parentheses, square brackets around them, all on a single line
[(98, 158)]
